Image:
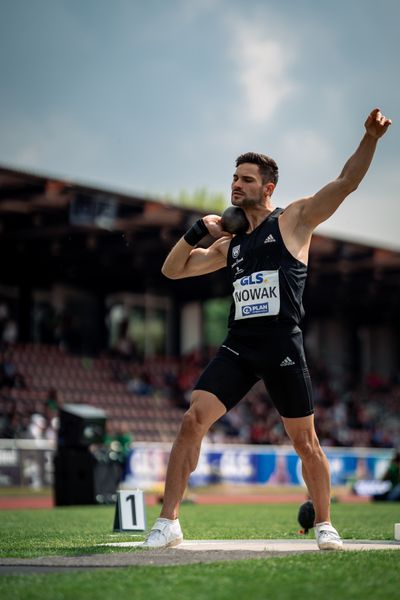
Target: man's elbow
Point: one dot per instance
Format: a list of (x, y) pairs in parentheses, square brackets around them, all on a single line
[(349, 185), (169, 273), (351, 188)]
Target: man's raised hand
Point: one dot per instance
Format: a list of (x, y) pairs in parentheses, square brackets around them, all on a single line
[(377, 124)]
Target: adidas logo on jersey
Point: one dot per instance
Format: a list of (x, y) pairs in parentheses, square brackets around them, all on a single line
[(287, 362), (270, 238)]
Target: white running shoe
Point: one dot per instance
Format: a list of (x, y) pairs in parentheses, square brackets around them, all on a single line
[(164, 534), (327, 537)]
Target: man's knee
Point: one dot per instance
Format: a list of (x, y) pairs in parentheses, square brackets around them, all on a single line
[(191, 425), (307, 445), (204, 410), (195, 423)]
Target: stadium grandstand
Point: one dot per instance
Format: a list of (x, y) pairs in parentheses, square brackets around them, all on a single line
[(87, 317)]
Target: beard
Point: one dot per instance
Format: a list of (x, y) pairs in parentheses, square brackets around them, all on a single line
[(248, 201)]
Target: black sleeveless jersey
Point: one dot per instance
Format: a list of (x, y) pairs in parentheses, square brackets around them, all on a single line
[(267, 281)]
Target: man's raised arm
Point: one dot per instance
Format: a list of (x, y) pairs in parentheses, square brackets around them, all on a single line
[(316, 209)]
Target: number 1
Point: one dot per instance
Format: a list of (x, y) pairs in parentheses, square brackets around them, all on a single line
[(133, 508)]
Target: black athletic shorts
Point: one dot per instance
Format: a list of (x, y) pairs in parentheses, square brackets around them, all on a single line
[(277, 358)]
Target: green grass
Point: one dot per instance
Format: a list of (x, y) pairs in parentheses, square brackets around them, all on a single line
[(78, 530), (316, 576)]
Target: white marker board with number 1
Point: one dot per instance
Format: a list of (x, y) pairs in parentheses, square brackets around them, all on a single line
[(130, 512)]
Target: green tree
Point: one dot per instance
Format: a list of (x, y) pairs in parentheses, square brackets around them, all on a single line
[(215, 315), (203, 200)]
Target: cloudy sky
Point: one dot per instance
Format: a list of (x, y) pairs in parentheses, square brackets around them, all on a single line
[(160, 96)]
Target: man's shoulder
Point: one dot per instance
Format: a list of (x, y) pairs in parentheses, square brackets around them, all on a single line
[(292, 216), (295, 207), (295, 232)]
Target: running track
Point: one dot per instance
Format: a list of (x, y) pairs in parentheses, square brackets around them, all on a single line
[(29, 502)]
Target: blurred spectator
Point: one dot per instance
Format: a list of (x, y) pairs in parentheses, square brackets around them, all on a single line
[(51, 405), (44, 323), (140, 383), (37, 426), (4, 314), (9, 375), (125, 348), (51, 429), (392, 475), (119, 441), (364, 416), (10, 333), (9, 423)]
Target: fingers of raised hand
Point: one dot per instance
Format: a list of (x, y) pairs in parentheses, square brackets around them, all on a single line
[(381, 119), (377, 122)]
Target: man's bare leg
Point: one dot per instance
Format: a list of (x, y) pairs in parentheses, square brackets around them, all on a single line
[(204, 410), (315, 466), (317, 477)]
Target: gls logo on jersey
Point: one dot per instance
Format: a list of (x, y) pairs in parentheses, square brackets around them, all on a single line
[(253, 278)]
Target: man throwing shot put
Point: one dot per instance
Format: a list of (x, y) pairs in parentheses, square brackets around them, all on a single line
[(267, 265)]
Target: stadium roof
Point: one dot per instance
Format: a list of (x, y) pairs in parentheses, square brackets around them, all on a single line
[(103, 241), (53, 230)]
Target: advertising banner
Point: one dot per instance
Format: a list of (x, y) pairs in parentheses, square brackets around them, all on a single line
[(273, 465), (30, 463)]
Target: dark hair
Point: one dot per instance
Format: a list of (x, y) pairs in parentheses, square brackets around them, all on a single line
[(268, 167)]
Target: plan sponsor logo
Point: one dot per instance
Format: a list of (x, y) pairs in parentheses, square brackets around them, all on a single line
[(255, 309)]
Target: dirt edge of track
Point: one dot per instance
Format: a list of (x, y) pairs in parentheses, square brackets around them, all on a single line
[(136, 558)]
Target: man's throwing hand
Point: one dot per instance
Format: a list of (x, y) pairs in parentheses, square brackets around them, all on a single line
[(377, 124), (213, 224)]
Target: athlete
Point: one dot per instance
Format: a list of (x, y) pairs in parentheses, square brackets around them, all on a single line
[(267, 266)]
